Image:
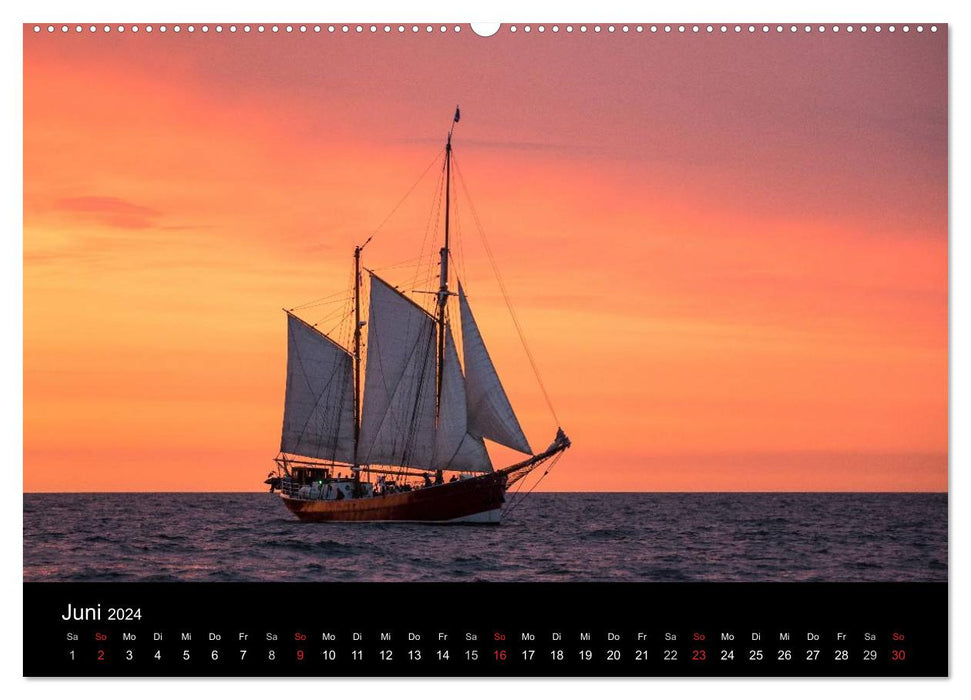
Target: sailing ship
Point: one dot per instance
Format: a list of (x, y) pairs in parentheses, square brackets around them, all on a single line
[(406, 443)]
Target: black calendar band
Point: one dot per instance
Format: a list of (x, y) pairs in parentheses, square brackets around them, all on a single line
[(485, 629)]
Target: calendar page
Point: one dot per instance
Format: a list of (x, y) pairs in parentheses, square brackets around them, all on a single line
[(438, 349)]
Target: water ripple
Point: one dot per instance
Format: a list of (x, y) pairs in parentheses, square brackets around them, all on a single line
[(550, 537)]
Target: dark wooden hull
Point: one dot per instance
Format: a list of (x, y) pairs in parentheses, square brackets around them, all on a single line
[(477, 500)]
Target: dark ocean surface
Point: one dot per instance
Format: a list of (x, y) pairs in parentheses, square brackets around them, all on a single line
[(544, 537)]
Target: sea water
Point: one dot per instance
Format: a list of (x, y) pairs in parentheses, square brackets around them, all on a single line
[(543, 537)]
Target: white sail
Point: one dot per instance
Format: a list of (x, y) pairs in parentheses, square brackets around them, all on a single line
[(318, 415), (489, 413), (455, 448), (398, 410)]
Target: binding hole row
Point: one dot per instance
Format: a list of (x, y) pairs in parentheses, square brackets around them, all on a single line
[(513, 28)]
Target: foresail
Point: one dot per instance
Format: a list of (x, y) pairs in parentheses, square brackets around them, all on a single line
[(398, 410), (455, 448), (318, 415), (490, 414)]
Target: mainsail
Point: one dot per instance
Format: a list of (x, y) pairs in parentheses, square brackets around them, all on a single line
[(490, 414), (318, 415), (455, 448), (398, 410)]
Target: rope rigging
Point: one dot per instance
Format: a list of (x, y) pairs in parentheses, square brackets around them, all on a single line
[(520, 496), (425, 267), (431, 271), (402, 200), (505, 293)]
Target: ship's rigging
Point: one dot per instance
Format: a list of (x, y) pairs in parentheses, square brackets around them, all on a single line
[(384, 391)]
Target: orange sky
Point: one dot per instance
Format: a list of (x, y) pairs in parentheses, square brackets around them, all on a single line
[(729, 253)]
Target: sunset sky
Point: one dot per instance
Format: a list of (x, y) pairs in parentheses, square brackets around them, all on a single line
[(728, 252)]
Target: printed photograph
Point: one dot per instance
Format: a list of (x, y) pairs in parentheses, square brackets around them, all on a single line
[(401, 305)]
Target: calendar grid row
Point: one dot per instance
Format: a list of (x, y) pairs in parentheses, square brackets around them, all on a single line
[(498, 648)]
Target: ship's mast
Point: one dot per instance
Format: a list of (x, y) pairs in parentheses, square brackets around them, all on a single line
[(443, 278), (357, 350)]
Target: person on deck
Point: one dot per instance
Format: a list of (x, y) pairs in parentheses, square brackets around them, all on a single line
[(439, 477)]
